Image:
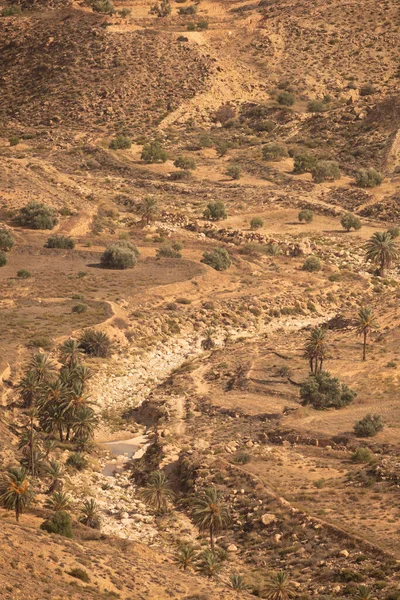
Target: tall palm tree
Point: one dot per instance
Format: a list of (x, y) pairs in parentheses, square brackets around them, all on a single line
[(365, 323), (185, 556), (59, 501), (381, 250), (43, 368), (15, 491), (279, 587), (148, 209), (29, 389), (316, 349), (90, 514), (71, 353), (55, 472), (29, 443), (157, 492), (210, 514)]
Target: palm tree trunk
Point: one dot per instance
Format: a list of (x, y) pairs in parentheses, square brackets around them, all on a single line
[(212, 537), (17, 511), (382, 268), (321, 362), (365, 346)]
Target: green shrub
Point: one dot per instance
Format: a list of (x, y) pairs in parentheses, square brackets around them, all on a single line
[(102, 6), (169, 251), (185, 162), (121, 142), (242, 458), (77, 461), (153, 153), (312, 263), (10, 11), (304, 163), (362, 455), (37, 215), (6, 240), (317, 106), (368, 426), (234, 171), (202, 24), (215, 211), (60, 241), (349, 221), (79, 574), (3, 259), (188, 10), (59, 523), (14, 140), (79, 308), (218, 259), (179, 175), (191, 26), (272, 249), (23, 274), (121, 255), (325, 170), (95, 343), (368, 178), (274, 151), (222, 148), (162, 9), (306, 215), (394, 231), (286, 98), (256, 223), (324, 391)]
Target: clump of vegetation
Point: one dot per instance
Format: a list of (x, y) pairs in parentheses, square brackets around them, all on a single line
[(154, 153), (234, 171), (79, 574), (6, 240), (121, 255), (77, 461), (37, 215), (312, 263), (256, 223), (59, 523), (215, 211), (286, 98), (3, 259), (161, 9), (350, 221), (368, 178), (60, 241), (24, 274), (218, 259), (304, 163), (11, 11), (362, 455), (225, 113), (95, 343), (274, 151), (180, 175), (188, 10), (369, 426), (185, 162), (394, 231), (121, 142), (102, 6), (170, 251), (325, 170), (306, 215), (90, 514), (79, 308), (317, 106), (323, 391), (222, 148)]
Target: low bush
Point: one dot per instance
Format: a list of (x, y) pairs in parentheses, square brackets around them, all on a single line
[(24, 274), (286, 98), (225, 113), (185, 162), (222, 148), (121, 142), (304, 163), (256, 223), (79, 308), (274, 151), (368, 178), (218, 259), (234, 171), (121, 255), (306, 215), (394, 231), (102, 6), (60, 241), (369, 426), (170, 251), (79, 574), (325, 170), (37, 215), (179, 175), (11, 11), (3, 259), (6, 240), (323, 391), (311, 264), (317, 106), (349, 221), (77, 461), (60, 523), (362, 455), (14, 140), (202, 24), (215, 211), (153, 153), (95, 343), (188, 10)]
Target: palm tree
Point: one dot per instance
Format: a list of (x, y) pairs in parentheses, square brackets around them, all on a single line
[(59, 501), (381, 250), (71, 353), (364, 593), (185, 556), (238, 582), (55, 472), (279, 587), (148, 209), (29, 389), (84, 422), (29, 444), (210, 514), (42, 367), (365, 323), (315, 349), (157, 492), (90, 514), (15, 491), (208, 342), (49, 446), (209, 563)]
